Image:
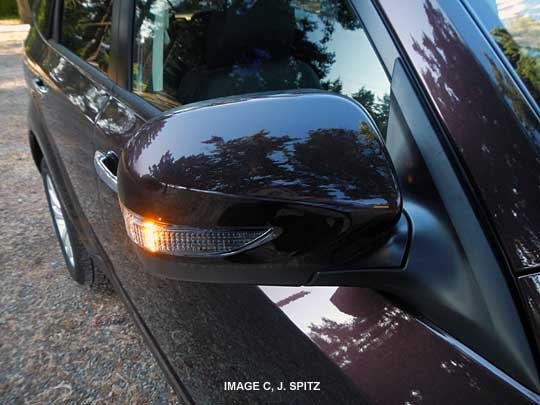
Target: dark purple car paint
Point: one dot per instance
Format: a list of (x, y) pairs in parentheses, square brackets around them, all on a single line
[(387, 352), (494, 131), (366, 347), (530, 288)]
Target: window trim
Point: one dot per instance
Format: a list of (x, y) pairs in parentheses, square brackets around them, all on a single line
[(45, 35), (123, 40)]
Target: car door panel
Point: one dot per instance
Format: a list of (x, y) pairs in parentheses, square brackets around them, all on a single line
[(366, 347), (67, 104), (202, 329), (207, 335)]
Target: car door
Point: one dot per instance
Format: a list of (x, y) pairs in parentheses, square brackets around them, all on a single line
[(367, 348), (70, 93)]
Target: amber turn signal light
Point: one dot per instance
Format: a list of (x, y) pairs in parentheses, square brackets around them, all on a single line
[(160, 237)]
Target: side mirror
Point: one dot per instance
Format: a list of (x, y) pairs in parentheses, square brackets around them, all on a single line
[(268, 189)]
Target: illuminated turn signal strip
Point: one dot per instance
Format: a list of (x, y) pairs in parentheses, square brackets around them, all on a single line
[(178, 240)]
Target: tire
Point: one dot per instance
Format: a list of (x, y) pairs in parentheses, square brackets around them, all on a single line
[(78, 262)]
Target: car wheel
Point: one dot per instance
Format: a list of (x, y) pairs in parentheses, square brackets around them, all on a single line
[(78, 262)]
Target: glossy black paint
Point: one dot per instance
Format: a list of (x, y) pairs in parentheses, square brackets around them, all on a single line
[(530, 288), (489, 128), (368, 334), (67, 91), (492, 128), (450, 276), (206, 330), (206, 334), (314, 148), (310, 165)]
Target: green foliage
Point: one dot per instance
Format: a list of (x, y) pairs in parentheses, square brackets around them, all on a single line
[(8, 9), (379, 108), (87, 30), (507, 44), (527, 67), (332, 85)]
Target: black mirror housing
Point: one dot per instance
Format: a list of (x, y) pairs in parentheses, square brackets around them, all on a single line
[(265, 189)]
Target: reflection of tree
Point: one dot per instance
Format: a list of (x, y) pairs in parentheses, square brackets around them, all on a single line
[(86, 30), (327, 163), (527, 67), (488, 136), (137, 144), (379, 108), (224, 48), (292, 298), (219, 169), (347, 342), (511, 92)]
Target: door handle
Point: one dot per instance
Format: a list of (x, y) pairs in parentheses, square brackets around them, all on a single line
[(39, 86), (106, 165)]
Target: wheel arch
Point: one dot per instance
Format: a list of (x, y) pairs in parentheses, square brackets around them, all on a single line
[(37, 153)]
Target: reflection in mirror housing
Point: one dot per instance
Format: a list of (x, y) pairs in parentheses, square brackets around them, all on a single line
[(309, 165)]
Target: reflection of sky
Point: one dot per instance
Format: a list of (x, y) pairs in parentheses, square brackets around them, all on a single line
[(308, 309), (515, 16), (497, 13), (509, 9), (356, 63)]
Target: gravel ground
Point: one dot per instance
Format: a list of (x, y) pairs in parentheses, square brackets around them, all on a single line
[(59, 342)]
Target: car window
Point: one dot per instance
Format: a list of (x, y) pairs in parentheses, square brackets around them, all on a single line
[(515, 26), (189, 51), (86, 30), (43, 17)]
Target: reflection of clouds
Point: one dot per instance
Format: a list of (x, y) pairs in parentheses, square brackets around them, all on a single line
[(89, 101), (95, 99), (510, 9)]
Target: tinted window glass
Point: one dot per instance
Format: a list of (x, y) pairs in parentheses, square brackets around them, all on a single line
[(86, 30), (188, 51), (44, 17), (515, 26)]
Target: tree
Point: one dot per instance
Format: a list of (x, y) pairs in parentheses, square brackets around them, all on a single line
[(527, 67), (25, 11), (378, 108)]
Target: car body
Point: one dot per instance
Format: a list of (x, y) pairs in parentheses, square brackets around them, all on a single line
[(454, 319)]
